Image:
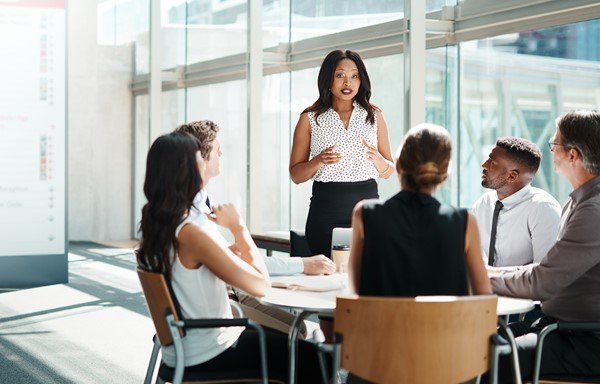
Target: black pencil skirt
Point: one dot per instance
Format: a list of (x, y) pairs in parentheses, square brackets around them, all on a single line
[(331, 206)]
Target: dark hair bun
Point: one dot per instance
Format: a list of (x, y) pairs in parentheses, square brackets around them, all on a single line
[(425, 156)]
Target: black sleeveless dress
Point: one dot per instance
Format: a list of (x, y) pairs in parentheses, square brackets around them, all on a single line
[(413, 246)]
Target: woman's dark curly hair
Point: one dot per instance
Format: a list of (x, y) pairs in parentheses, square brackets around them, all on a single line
[(324, 102), (172, 181)]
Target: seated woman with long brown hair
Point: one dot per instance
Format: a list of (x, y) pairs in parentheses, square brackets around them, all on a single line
[(199, 267), (411, 244)]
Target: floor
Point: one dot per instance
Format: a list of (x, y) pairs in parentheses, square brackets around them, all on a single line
[(95, 329)]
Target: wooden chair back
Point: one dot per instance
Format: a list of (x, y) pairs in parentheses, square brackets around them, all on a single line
[(427, 339), (160, 303)]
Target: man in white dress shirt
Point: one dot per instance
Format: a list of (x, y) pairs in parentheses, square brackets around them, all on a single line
[(206, 132), (527, 218)]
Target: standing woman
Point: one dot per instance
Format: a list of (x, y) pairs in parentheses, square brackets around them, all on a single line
[(342, 143)]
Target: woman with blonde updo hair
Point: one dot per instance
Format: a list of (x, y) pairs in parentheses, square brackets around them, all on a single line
[(411, 244)]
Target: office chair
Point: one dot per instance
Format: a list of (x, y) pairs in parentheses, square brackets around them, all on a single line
[(341, 236), (427, 339), (561, 326), (298, 243), (171, 327)]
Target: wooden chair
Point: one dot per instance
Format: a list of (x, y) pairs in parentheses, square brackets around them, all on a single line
[(561, 326), (170, 329), (427, 339)]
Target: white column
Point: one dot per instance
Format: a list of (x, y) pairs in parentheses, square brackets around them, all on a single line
[(144, 137), (414, 63), (254, 92), (155, 70)]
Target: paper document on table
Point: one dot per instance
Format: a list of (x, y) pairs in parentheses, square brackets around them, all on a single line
[(321, 283)]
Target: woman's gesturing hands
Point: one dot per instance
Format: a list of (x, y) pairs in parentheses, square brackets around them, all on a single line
[(329, 156), (371, 153)]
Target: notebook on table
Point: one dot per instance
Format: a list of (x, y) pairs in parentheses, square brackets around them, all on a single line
[(320, 283)]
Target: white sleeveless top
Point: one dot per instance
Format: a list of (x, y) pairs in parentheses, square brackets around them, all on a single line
[(201, 294), (353, 166)]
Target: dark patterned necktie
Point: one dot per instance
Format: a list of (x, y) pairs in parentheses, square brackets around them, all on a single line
[(492, 250)]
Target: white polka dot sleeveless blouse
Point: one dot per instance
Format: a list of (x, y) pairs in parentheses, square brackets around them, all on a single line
[(353, 166)]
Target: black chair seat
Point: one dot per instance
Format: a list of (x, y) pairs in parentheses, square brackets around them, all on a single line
[(571, 379), (197, 374)]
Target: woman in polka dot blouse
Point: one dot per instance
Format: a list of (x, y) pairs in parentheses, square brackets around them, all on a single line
[(341, 142)]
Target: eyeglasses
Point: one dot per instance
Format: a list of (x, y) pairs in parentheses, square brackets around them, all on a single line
[(551, 145)]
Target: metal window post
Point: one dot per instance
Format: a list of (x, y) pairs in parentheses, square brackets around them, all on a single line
[(254, 103), (155, 71), (414, 64)]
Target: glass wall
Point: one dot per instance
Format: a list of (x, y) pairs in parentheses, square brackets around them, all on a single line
[(387, 83), (225, 104), (275, 22), (304, 92), (311, 18), (507, 84), (275, 126), (441, 86), (517, 85)]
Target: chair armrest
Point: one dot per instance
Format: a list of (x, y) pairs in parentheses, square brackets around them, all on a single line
[(588, 326), (236, 309), (213, 323), (562, 326), (500, 342), (216, 323)]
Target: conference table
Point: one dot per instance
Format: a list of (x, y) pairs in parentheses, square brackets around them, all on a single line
[(307, 295)]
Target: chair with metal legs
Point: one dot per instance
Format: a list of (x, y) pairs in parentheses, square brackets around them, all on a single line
[(539, 349), (426, 339), (170, 329)]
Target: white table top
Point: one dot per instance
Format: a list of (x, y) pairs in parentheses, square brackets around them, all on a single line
[(324, 302)]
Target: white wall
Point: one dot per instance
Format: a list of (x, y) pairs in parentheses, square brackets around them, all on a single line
[(100, 130)]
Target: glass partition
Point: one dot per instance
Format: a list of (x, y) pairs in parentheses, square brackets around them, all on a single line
[(276, 139), (214, 28), (511, 84), (441, 87), (303, 92), (275, 22), (518, 84), (387, 87), (225, 104), (312, 18)]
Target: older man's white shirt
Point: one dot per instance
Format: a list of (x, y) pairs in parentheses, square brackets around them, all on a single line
[(527, 225)]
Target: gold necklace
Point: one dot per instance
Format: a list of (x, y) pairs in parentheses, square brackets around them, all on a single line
[(346, 118)]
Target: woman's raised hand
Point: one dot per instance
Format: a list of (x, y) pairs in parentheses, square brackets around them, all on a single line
[(329, 156), (227, 216), (371, 153)]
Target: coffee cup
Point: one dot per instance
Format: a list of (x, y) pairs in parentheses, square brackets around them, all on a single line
[(340, 253)]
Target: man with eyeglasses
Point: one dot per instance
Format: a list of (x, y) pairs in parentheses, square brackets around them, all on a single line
[(517, 223), (567, 280)]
